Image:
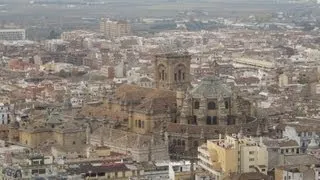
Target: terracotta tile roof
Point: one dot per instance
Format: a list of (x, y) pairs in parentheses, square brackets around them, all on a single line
[(101, 111), (248, 176), (157, 105), (135, 93), (247, 80)]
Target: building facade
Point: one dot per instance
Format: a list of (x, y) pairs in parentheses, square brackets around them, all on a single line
[(172, 71), (113, 29), (12, 34), (234, 154), (4, 113)]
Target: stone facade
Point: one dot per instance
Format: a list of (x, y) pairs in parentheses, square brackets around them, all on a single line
[(172, 71)]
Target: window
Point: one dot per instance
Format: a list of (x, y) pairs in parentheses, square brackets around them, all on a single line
[(226, 104), (162, 74), (73, 142), (139, 123), (175, 76), (142, 124), (183, 76), (214, 120), (194, 120), (282, 151), (136, 123), (287, 150), (42, 171), (183, 143), (208, 120), (211, 106), (251, 152), (195, 143), (179, 142), (196, 105), (251, 159), (298, 151)]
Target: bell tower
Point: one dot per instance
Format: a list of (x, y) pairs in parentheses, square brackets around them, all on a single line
[(172, 71)]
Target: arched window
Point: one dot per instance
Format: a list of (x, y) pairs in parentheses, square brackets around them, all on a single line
[(162, 72), (180, 71), (211, 106), (196, 105), (162, 75)]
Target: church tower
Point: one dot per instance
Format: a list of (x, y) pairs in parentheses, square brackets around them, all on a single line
[(172, 71)]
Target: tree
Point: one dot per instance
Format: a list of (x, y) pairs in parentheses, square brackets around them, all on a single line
[(64, 74), (53, 35)]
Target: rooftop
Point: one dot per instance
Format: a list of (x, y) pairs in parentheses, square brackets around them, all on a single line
[(211, 87)]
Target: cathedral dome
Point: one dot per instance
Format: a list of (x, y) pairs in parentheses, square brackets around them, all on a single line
[(211, 87)]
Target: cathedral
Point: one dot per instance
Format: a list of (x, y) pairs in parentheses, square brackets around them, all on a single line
[(175, 116)]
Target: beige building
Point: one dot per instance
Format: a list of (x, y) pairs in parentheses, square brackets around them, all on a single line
[(283, 80), (113, 29), (234, 154)]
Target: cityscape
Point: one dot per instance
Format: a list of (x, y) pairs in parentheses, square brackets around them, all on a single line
[(160, 90)]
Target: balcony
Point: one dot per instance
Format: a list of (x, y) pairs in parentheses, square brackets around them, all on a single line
[(209, 168)]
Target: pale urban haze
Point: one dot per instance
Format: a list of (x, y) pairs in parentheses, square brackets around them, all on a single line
[(160, 89)]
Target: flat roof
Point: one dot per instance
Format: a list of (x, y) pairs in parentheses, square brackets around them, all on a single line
[(12, 30)]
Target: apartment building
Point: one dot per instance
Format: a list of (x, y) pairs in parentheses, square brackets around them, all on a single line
[(4, 113), (233, 154), (12, 34), (113, 29)]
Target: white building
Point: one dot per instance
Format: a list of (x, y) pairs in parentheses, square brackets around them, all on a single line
[(55, 45), (179, 170), (12, 34), (4, 113)]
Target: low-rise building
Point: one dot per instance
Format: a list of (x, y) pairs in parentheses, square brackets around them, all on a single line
[(305, 172), (180, 170)]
